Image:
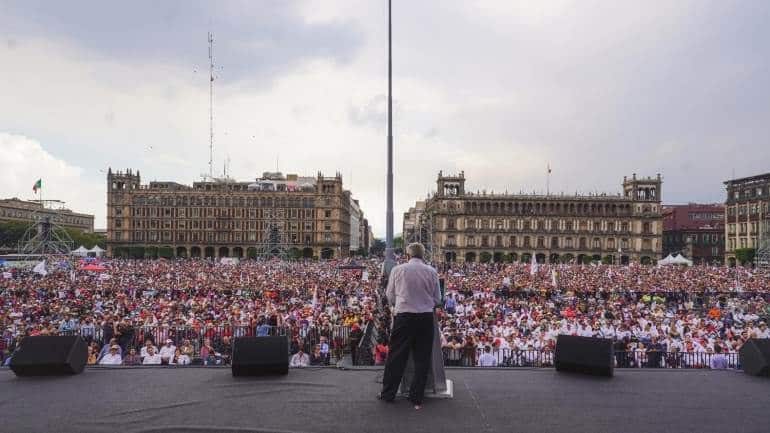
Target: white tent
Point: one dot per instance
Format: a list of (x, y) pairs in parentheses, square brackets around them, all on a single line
[(681, 260), (81, 251), (97, 251), (669, 260)]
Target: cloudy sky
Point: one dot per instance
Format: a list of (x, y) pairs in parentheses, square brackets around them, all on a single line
[(500, 89)]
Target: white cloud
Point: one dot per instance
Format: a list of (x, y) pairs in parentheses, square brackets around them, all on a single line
[(498, 89), (24, 161)]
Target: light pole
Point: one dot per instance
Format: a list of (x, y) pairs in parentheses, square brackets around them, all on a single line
[(390, 259)]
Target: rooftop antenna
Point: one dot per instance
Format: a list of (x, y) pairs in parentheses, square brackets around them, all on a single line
[(211, 105)]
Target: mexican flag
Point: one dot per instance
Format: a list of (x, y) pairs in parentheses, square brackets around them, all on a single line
[(38, 185)]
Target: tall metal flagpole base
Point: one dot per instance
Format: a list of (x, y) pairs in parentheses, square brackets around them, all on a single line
[(437, 385)]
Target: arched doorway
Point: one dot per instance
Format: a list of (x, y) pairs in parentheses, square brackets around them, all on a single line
[(731, 262), (498, 257), (581, 259), (450, 257), (251, 253), (327, 253), (512, 257), (553, 258), (609, 260), (209, 252), (526, 257), (294, 253), (238, 252), (540, 258), (485, 257), (567, 258), (470, 257), (646, 260), (181, 251), (596, 258), (195, 252), (624, 260), (307, 253), (224, 252)]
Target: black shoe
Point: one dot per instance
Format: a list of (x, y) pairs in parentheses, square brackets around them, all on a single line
[(383, 398)]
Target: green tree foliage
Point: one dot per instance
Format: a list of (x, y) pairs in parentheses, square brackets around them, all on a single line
[(378, 248), (166, 252), (11, 233), (485, 257), (745, 256)]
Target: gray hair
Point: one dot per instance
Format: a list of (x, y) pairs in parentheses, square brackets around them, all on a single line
[(415, 249)]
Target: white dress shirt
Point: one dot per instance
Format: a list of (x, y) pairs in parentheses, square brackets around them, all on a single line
[(413, 287), (111, 359)]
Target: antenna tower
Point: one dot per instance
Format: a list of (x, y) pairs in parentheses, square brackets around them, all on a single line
[(211, 105)]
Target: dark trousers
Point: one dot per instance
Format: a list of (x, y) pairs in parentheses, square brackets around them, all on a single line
[(411, 332)]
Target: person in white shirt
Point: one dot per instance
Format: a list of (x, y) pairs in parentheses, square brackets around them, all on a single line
[(147, 345), (152, 358), (112, 357), (487, 359), (300, 359), (167, 352)]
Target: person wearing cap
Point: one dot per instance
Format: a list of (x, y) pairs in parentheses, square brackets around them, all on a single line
[(112, 357)]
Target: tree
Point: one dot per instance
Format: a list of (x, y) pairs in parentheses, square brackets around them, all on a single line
[(745, 255), (398, 242), (378, 247), (166, 252), (11, 233), (485, 257)]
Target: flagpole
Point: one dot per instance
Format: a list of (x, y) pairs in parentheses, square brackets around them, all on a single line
[(389, 254)]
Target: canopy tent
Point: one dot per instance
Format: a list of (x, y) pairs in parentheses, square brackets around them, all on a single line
[(98, 252), (81, 251), (669, 260), (681, 260), (674, 260)]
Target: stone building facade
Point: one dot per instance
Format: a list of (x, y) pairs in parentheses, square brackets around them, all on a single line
[(302, 216), (468, 227), (746, 215), (696, 231), (13, 209)]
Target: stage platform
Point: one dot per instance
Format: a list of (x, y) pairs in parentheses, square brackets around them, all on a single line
[(330, 400)]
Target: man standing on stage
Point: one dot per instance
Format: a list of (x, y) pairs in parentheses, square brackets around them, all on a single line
[(413, 288)]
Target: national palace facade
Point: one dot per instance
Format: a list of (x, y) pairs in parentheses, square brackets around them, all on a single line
[(290, 216), (460, 226)]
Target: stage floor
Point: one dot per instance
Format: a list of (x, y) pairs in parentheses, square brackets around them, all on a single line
[(331, 400)]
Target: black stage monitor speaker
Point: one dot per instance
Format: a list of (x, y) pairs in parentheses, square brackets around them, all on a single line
[(260, 356), (755, 356), (586, 355), (49, 356)]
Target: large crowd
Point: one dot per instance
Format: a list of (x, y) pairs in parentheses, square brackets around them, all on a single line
[(194, 307), (657, 316), (187, 311)]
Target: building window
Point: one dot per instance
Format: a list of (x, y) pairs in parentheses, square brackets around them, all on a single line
[(471, 242), (327, 213)]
